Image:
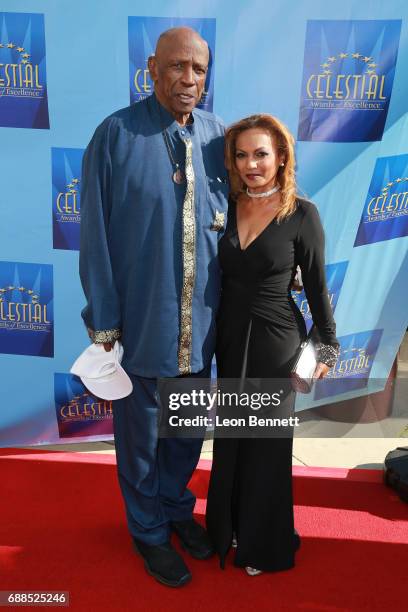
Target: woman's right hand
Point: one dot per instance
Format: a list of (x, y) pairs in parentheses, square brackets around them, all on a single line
[(320, 371)]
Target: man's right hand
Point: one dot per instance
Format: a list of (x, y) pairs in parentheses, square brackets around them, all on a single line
[(108, 346)]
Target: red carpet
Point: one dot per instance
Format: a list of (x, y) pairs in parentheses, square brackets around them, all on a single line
[(62, 528)]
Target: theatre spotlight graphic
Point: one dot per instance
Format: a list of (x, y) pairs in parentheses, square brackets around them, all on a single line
[(335, 274), (353, 365), (143, 35), (66, 197), (348, 75), (23, 82), (385, 212), (26, 309), (79, 413)]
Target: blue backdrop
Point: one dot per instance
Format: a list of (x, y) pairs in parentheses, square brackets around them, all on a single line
[(335, 73)]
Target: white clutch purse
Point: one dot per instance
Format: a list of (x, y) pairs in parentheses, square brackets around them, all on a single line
[(304, 367)]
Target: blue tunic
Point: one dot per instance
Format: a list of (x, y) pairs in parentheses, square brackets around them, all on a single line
[(132, 263)]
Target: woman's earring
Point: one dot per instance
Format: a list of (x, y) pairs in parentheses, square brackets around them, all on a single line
[(282, 164)]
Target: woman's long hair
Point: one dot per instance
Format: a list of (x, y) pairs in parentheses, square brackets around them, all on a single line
[(284, 142)]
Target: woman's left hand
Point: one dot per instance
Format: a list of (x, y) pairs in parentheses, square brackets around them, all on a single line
[(320, 371)]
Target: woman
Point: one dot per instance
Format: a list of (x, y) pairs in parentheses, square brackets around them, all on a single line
[(270, 231)]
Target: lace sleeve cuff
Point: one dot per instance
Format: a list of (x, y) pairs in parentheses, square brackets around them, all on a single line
[(327, 354), (104, 335)]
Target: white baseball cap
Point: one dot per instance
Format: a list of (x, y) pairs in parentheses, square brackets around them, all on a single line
[(101, 372)]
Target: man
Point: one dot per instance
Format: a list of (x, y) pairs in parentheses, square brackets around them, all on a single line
[(153, 206)]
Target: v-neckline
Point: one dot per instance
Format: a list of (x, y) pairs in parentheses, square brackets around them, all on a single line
[(256, 238)]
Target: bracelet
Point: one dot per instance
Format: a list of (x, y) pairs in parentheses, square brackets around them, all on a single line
[(104, 335), (327, 354)]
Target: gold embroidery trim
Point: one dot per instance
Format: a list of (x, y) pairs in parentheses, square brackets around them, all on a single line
[(189, 271), (104, 335)]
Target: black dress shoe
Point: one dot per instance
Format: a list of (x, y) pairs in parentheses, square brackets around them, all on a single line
[(163, 563), (194, 538)]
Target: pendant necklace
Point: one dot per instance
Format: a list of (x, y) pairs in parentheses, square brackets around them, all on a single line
[(178, 175), (264, 194)]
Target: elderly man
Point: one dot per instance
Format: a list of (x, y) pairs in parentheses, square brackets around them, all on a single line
[(153, 207)]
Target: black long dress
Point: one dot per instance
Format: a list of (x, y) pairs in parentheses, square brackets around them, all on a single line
[(259, 332)]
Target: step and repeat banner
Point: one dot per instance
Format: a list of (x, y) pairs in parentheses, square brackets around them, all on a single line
[(335, 73)]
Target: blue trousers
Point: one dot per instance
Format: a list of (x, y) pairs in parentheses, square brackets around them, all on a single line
[(153, 472)]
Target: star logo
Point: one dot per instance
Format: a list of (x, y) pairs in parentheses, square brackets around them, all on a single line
[(24, 57), (70, 186), (343, 55), (385, 190)]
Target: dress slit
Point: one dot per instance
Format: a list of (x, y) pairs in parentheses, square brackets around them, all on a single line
[(244, 368)]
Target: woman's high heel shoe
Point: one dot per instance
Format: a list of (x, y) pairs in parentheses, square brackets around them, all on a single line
[(252, 571)]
